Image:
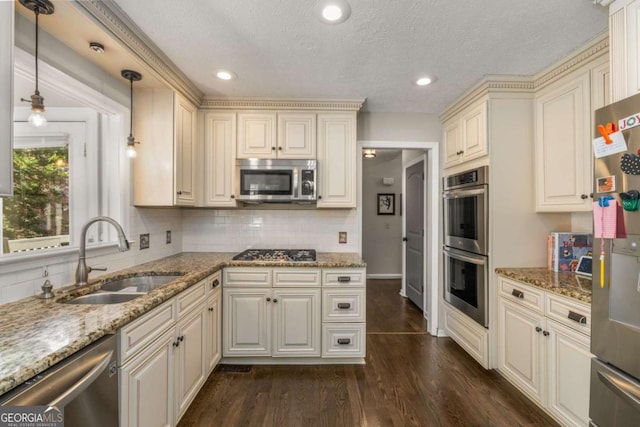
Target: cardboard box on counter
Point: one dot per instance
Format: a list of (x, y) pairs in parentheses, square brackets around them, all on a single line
[(566, 248)]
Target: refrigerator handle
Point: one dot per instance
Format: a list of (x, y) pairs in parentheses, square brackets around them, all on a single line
[(628, 392)]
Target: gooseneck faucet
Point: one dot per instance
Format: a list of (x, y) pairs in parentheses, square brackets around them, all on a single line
[(82, 271)]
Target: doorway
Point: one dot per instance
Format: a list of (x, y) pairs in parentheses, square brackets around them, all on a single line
[(431, 256)]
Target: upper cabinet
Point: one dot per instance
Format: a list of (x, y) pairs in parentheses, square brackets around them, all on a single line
[(219, 159), (165, 168), (624, 30), (465, 135), (264, 135), (336, 160), (563, 133), (6, 95)]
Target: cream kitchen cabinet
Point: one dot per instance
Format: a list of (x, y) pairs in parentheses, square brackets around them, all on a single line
[(336, 160), (271, 312), (543, 349), (213, 352), (465, 136), (563, 131), (624, 33), (165, 167), (266, 135), (165, 357), (6, 95), (219, 159)]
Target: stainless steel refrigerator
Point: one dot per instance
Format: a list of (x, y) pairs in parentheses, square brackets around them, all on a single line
[(615, 329)]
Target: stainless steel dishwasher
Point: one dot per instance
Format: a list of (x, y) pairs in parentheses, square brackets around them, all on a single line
[(85, 385)]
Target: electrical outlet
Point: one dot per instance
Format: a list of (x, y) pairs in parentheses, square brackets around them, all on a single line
[(144, 241), (342, 237), (168, 237)]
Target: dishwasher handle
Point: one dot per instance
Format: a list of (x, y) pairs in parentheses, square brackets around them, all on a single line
[(84, 382)]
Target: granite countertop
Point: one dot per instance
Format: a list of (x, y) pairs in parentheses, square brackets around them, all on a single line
[(567, 284), (36, 334)]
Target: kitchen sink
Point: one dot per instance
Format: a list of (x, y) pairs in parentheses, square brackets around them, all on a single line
[(103, 298), (138, 284)]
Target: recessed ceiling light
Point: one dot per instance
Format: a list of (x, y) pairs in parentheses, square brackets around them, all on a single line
[(225, 75), (424, 81), (333, 11)]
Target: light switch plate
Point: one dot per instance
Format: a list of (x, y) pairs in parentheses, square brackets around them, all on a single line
[(342, 237), (144, 241)]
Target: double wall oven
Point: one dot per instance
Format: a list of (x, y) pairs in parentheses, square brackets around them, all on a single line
[(466, 197)]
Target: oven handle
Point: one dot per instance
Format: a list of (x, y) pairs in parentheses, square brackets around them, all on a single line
[(457, 255), (456, 194)]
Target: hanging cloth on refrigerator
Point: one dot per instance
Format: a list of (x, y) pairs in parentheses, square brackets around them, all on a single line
[(608, 223)]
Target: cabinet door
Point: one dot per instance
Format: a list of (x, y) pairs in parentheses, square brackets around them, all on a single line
[(146, 385), (474, 132), (190, 362), (6, 95), (563, 158), (336, 160), (185, 146), (247, 322), (452, 142), (219, 159), (256, 135), (569, 362), (296, 322), (296, 136), (632, 63), (214, 330), (520, 348)]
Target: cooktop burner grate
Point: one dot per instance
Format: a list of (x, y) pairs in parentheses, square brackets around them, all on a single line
[(290, 255)]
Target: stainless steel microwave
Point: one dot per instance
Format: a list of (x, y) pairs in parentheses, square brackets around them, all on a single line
[(259, 180)]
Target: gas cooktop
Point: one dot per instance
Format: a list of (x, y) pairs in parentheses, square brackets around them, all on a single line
[(289, 255)]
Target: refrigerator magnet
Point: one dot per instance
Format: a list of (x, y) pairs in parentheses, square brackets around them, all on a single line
[(603, 149), (606, 184)]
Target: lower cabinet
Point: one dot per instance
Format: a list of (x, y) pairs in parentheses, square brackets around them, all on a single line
[(296, 322), (166, 355), (545, 353), (247, 322)]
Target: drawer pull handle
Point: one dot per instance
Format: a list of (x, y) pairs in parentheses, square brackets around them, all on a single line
[(518, 294), (215, 283), (344, 341), (343, 279), (344, 305), (577, 317)]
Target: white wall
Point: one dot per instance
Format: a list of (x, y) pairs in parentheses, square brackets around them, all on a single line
[(234, 230), (381, 234), (399, 127)]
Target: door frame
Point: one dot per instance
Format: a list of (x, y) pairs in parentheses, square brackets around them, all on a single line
[(432, 217)]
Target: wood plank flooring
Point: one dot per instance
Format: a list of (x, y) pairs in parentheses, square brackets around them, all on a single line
[(410, 379)]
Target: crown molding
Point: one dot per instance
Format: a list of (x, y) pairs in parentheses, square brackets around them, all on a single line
[(108, 15), (282, 104)]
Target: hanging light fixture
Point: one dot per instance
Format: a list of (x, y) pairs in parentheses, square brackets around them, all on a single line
[(132, 76), (368, 153), (37, 118)]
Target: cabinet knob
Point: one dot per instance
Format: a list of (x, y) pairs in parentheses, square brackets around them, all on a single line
[(545, 333), (181, 338), (273, 148), (280, 148), (233, 197), (584, 196), (268, 299), (591, 195), (275, 300), (175, 343), (179, 193), (319, 197), (215, 283), (538, 329), (210, 308)]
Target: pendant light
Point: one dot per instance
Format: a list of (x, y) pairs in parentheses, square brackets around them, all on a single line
[(132, 76), (37, 118)]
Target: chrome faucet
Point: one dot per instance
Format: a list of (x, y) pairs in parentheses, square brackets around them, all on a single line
[(82, 271)]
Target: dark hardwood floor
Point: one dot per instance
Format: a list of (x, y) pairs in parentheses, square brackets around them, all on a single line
[(410, 379)]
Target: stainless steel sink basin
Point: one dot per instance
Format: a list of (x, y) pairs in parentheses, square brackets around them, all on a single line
[(142, 284), (103, 298)]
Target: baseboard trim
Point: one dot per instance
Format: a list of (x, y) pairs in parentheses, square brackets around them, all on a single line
[(384, 276)]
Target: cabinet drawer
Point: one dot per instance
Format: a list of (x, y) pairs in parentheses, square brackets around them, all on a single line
[(213, 282), (522, 294), (137, 334), (569, 313), (248, 277), (343, 277), (190, 298), (343, 340), (291, 277), (343, 305)]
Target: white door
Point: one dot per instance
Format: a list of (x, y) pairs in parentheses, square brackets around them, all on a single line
[(414, 233), (247, 322), (296, 322)]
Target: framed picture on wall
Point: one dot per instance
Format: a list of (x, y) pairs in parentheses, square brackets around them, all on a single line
[(386, 204)]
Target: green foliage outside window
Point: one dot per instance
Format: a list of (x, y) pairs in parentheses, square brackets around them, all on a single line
[(40, 203)]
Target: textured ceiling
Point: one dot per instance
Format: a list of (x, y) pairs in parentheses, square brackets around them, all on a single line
[(279, 48)]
